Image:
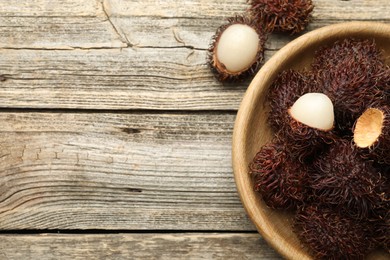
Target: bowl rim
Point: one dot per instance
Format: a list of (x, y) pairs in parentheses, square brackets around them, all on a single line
[(240, 167)]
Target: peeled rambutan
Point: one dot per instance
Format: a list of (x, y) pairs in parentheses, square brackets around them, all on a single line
[(372, 133), (290, 16), (331, 235), (281, 180), (288, 86), (237, 49), (343, 179), (351, 72)]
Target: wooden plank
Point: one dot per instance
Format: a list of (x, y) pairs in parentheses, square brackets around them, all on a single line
[(20, 32), (194, 23), (113, 79), (93, 23), (324, 9), (136, 246), (118, 171), (139, 56), (46, 24), (49, 8)]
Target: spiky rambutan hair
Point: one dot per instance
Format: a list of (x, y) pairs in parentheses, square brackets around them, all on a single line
[(290, 16), (281, 180)]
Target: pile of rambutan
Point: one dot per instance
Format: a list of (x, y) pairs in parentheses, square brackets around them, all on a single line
[(237, 48), (329, 160)]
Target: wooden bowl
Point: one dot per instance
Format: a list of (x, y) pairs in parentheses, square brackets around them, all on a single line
[(251, 130)]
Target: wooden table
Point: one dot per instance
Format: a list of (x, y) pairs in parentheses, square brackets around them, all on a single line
[(115, 137)]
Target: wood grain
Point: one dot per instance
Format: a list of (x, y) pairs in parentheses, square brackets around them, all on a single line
[(117, 79), (140, 54), (118, 171), (136, 246), (80, 153)]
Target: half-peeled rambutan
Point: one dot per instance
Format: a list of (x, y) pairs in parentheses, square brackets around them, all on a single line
[(372, 133), (281, 180), (309, 126), (290, 16), (344, 180), (237, 49), (331, 235), (351, 72), (288, 86)]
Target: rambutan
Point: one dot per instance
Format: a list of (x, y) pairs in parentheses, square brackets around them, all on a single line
[(290, 16), (350, 73), (344, 180), (309, 126), (331, 235), (372, 133), (288, 86), (237, 49), (281, 180)]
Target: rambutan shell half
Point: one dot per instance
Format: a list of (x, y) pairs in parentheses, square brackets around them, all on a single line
[(372, 133)]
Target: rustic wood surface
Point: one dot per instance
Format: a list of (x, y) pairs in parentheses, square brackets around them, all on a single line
[(112, 125), (136, 246)]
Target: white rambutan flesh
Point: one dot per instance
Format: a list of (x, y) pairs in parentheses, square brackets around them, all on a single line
[(314, 110), (237, 47)]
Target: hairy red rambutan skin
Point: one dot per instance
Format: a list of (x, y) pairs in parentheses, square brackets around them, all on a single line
[(305, 142), (384, 83), (331, 235), (218, 69), (384, 240), (379, 219), (376, 117), (288, 86), (290, 16), (384, 231), (342, 179), (352, 73), (364, 50), (384, 169), (281, 180), (380, 229)]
